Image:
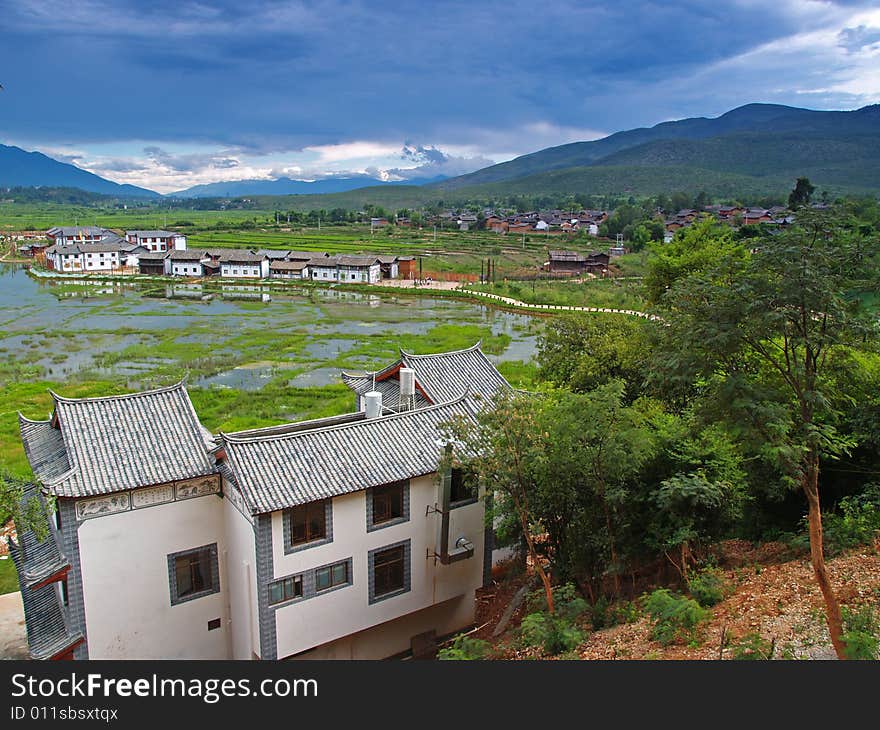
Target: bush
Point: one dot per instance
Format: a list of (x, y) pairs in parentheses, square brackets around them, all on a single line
[(708, 586), (465, 648), (676, 618), (604, 615), (861, 633), (568, 604), (855, 521), (752, 647), (557, 633), (554, 633)]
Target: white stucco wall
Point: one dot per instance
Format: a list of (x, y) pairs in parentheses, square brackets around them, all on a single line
[(126, 584), (241, 582), (324, 618)]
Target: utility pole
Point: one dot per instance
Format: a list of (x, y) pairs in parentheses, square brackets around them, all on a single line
[(435, 234)]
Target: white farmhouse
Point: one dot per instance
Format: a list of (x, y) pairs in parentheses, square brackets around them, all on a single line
[(339, 537), (186, 263), (243, 265), (157, 240), (87, 257)]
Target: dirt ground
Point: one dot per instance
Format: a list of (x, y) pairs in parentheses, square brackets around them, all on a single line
[(13, 637), (771, 594)]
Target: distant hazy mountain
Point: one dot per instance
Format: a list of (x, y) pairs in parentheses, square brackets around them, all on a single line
[(287, 186), (19, 168), (768, 119)]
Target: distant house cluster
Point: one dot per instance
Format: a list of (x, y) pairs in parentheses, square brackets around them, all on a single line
[(271, 264), (733, 215), (552, 221), (90, 249)]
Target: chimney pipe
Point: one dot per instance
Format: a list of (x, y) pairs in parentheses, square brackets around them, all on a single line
[(407, 389)]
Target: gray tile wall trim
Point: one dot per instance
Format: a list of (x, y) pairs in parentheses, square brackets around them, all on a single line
[(76, 609), (172, 574), (308, 579), (328, 530), (399, 520), (265, 574), (488, 541), (407, 571)]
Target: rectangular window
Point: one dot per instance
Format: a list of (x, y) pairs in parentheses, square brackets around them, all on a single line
[(286, 589), (464, 486), (331, 576), (387, 503), (193, 573), (388, 571), (308, 523)]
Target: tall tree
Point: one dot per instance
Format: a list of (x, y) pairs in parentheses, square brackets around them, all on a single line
[(801, 194), (760, 333)]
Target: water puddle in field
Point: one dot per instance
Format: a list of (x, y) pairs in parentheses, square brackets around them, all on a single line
[(61, 329)]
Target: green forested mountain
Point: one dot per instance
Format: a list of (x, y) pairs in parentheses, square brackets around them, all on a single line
[(766, 120)]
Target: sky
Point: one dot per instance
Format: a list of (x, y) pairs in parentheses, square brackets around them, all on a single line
[(168, 94)]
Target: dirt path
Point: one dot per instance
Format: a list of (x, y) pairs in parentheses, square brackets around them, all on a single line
[(13, 636)]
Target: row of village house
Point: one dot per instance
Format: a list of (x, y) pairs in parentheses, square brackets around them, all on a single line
[(165, 253)]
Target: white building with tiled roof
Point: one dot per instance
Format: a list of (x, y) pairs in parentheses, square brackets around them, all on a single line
[(338, 537)]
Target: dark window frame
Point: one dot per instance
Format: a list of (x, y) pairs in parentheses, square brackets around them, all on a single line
[(209, 573), (403, 563), (459, 480), (381, 496), (288, 518)]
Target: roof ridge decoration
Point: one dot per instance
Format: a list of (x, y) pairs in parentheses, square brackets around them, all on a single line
[(398, 415), (477, 346), (95, 399)]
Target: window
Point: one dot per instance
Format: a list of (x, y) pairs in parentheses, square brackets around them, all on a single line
[(308, 523), (387, 505), (464, 487), (331, 576), (286, 589), (389, 571), (193, 573)]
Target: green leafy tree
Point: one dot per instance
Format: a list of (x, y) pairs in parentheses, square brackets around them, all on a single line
[(801, 194), (759, 331), (693, 249)]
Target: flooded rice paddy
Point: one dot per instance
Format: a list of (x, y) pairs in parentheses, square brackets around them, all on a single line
[(239, 337)]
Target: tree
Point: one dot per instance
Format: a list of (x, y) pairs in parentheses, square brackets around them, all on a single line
[(503, 449), (800, 195), (27, 514), (693, 249), (760, 333), (584, 351)]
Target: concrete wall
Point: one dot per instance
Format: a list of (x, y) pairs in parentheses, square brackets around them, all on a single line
[(241, 582), (305, 624), (126, 589)]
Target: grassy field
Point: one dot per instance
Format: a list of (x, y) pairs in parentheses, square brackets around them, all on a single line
[(8, 577), (624, 294)]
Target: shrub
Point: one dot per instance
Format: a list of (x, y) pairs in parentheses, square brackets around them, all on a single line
[(861, 633), (855, 521), (752, 647), (708, 586), (566, 601), (676, 618), (465, 648), (600, 615), (554, 633)]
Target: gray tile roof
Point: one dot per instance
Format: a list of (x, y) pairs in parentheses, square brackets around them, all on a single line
[(122, 442), (36, 560), (188, 255), (344, 260), (288, 265), (234, 256), (76, 230), (152, 234), (282, 470), (390, 389), (440, 377), (44, 448)]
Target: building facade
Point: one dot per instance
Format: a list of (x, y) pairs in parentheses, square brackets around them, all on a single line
[(340, 537)]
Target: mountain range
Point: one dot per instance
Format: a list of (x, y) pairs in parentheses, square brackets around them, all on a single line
[(753, 149), (19, 168), (288, 186)]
